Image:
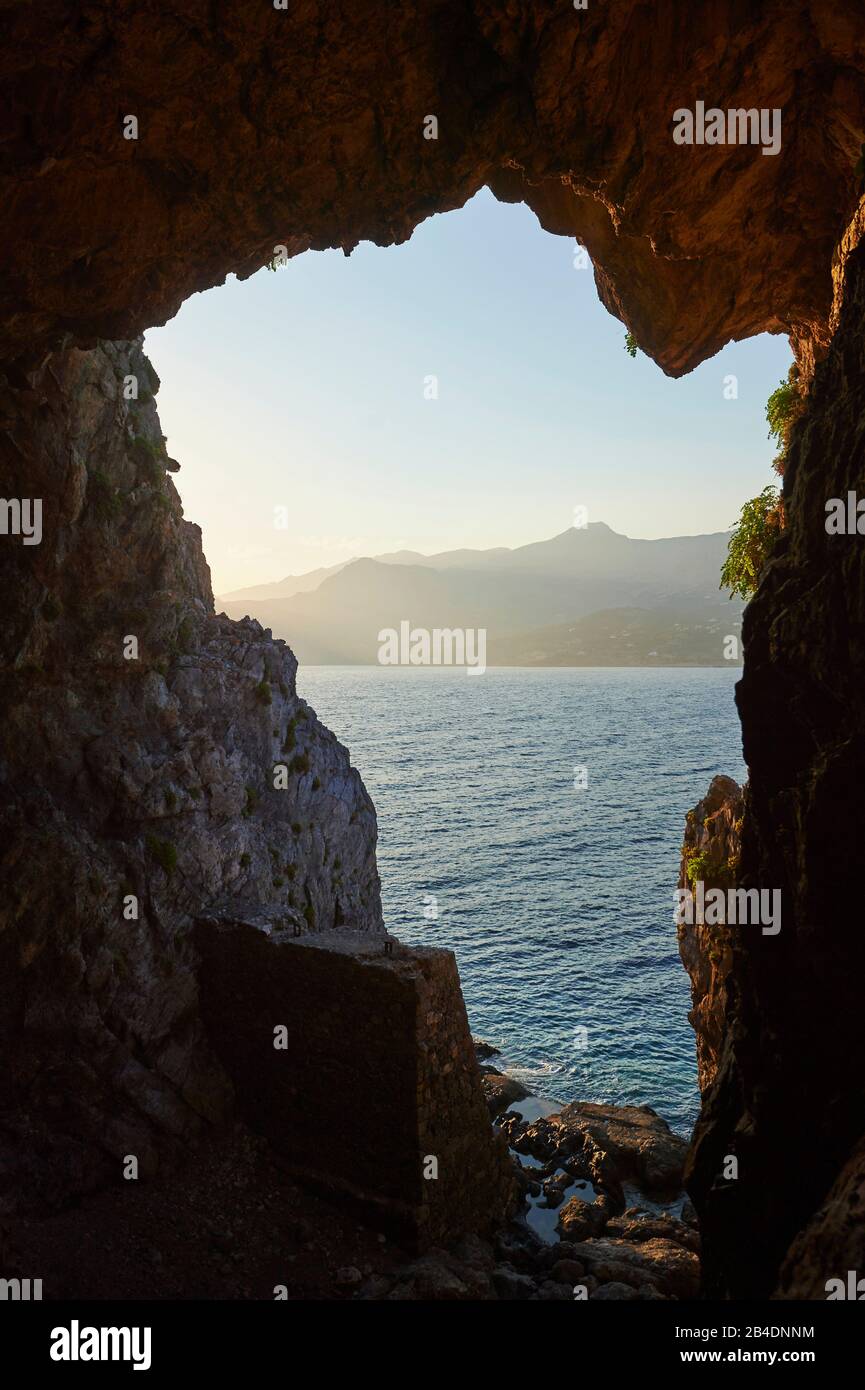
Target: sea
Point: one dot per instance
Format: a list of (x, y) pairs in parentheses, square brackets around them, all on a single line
[(530, 820)]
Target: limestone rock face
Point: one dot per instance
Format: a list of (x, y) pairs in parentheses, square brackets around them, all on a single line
[(136, 792), (305, 127), (710, 854), (788, 1099)]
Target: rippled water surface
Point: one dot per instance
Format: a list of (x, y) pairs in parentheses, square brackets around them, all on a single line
[(558, 902)]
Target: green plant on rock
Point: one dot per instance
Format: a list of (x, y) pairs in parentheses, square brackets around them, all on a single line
[(783, 407), (149, 458), (161, 502), (753, 539), (263, 693), (164, 852), (696, 868), (630, 344)]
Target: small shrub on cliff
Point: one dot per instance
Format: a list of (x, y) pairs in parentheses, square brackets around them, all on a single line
[(161, 502), (700, 868), (752, 542), (783, 407), (300, 763), (164, 852), (149, 459), (263, 693), (245, 860), (630, 345), (251, 801), (696, 869)]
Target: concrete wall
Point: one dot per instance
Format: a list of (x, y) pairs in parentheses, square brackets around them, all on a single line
[(378, 1075)]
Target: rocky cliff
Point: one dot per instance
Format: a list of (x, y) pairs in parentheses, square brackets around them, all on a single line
[(710, 855), (788, 1096), (139, 742)]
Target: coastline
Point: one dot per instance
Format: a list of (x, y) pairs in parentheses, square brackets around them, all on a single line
[(602, 1201)]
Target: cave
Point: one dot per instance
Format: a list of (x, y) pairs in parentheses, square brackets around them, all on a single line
[(262, 127)]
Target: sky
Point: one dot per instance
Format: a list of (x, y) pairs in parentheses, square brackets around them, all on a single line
[(300, 407)]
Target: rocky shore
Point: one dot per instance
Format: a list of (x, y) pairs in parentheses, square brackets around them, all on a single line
[(232, 1224), (602, 1215)]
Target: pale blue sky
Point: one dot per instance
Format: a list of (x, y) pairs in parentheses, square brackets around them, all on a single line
[(304, 388)]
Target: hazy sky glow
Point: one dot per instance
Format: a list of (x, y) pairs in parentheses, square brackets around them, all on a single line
[(304, 388)]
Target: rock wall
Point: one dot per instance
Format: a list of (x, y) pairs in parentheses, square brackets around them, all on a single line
[(135, 792), (789, 1095), (306, 127), (710, 854), (352, 1054)]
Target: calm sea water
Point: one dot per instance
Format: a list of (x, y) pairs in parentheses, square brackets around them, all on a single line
[(558, 902)]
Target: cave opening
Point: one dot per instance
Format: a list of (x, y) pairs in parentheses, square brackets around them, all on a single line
[(313, 384), (317, 121)]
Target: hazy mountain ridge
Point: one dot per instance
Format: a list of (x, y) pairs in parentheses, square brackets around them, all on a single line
[(522, 597)]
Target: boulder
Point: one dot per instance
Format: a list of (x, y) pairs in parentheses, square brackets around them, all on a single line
[(665, 1266)]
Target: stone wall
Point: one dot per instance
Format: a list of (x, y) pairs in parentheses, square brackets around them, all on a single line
[(376, 1078)]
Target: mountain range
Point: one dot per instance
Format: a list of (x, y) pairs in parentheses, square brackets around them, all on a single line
[(586, 597)]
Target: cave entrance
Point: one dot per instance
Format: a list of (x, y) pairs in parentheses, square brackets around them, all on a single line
[(465, 396)]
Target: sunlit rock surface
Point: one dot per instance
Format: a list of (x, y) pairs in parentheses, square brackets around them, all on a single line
[(136, 792), (710, 855)]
